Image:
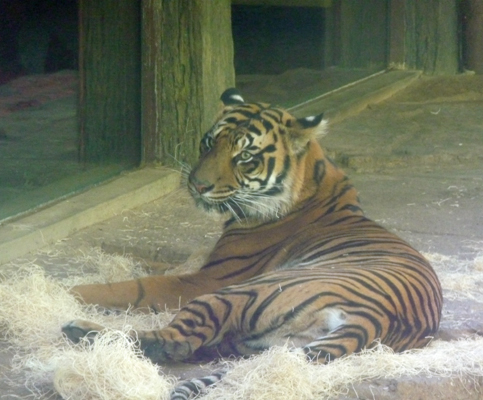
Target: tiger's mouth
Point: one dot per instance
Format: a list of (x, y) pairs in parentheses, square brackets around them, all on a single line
[(242, 205), (213, 201), (227, 206), (241, 202)]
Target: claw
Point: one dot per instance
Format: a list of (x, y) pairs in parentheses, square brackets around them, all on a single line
[(78, 329)]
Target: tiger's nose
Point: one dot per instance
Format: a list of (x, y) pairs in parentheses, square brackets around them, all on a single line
[(200, 185)]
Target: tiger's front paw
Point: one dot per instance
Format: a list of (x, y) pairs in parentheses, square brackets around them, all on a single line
[(160, 347), (78, 329), (155, 351)]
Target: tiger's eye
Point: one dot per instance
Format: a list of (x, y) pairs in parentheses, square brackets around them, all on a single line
[(245, 156)]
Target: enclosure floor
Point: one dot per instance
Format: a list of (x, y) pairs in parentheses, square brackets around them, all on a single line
[(417, 160)]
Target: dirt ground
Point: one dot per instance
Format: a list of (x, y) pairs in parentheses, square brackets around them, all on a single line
[(417, 160)]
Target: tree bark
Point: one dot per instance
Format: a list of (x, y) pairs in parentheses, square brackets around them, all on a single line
[(363, 34), (187, 63), (109, 72), (429, 40), (474, 35)]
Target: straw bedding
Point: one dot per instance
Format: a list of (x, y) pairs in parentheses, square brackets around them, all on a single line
[(35, 305)]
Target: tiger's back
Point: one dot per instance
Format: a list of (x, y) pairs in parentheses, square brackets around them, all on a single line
[(297, 262), (341, 271)]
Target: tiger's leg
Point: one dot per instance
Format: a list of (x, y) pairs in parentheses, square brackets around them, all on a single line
[(202, 322), (157, 292), (226, 324), (251, 317)]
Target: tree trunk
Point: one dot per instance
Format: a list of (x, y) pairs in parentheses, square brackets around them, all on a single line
[(474, 35), (427, 38), (187, 63), (109, 72), (363, 34)]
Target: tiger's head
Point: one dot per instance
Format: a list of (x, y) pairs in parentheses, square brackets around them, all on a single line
[(252, 160)]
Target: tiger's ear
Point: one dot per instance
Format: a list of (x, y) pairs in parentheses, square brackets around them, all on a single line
[(302, 130), (231, 97)]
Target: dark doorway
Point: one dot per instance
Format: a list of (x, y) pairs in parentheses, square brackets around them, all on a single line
[(294, 51)]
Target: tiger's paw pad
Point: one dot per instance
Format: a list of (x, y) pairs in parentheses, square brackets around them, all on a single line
[(161, 350), (79, 329), (155, 352)]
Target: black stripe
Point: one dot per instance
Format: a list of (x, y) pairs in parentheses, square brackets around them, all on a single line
[(209, 311), (186, 333), (286, 167), (196, 313), (319, 171), (252, 298), (141, 294), (228, 308)]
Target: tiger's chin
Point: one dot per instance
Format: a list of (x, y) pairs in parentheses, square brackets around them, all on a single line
[(211, 207), (247, 206), (261, 212)]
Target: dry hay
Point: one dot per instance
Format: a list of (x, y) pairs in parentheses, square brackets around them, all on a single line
[(113, 369), (283, 374), (34, 306), (460, 278)]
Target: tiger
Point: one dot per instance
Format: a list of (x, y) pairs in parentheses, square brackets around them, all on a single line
[(297, 262)]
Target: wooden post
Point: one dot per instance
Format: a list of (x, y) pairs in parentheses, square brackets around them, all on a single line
[(109, 71), (474, 35), (187, 61), (424, 35), (363, 34), (332, 36)]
